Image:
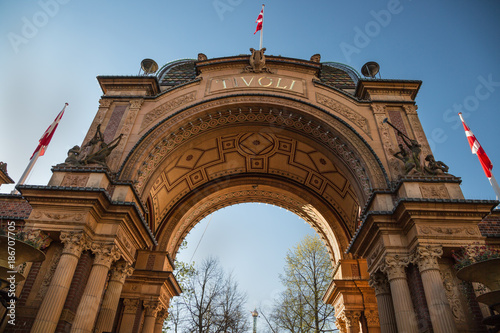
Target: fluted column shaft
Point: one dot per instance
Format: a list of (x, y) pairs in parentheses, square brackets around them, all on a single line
[(111, 299), (378, 281), (439, 308), (87, 309), (128, 317), (151, 310), (160, 318), (406, 319), (53, 302)]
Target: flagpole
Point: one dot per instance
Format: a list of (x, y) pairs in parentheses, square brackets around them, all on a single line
[(495, 186), (40, 149), (30, 166), (262, 30)]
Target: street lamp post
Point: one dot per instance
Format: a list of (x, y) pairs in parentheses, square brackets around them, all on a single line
[(255, 314)]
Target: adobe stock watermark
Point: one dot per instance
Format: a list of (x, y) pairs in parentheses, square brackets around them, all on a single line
[(11, 260), (31, 26), (223, 6), (363, 37), (483, 90)]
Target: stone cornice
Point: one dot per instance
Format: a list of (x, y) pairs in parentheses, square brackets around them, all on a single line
[(407, 88), (147, 84), (407, 209), (242, 60), (96, 200)]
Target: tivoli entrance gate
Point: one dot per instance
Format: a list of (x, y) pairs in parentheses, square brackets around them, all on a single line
[(348, 155)]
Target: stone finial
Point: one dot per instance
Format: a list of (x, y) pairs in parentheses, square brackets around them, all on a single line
[(202, 56), (316, 58)]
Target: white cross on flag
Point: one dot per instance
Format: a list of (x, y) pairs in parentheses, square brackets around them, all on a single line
[(259, 20), (477, 149)]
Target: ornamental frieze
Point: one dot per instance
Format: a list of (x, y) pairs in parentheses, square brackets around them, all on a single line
[(344, 111), (150, 143), (167, 107), (425, 230)]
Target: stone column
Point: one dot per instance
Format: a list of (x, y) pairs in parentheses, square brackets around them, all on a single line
[(53, 302), (87, 309), (128, 318), (109, 305), (151, 309), (379, 282), (394, 267), (351, 320), (160, 318), (439, 308)]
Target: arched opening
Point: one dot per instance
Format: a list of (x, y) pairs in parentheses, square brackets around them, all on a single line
[(251, 241)]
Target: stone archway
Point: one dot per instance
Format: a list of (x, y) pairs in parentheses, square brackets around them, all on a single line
[(205, 134), (249, 145)]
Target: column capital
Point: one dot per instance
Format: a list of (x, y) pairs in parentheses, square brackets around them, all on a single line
[(75, 242), (121, 271), (105, 103), (161, 315), (351, 318), (341, 325), (152, 308), (136, 103), (394, 266), (130, 305), (379, 282), (425, 256), (372, 318), (105, 254)]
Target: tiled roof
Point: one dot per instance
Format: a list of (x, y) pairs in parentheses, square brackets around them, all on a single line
[(14, 207), (177, 72), (338, 76), (332, 74)]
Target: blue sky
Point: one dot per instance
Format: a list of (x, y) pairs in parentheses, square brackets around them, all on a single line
[(51, 51)]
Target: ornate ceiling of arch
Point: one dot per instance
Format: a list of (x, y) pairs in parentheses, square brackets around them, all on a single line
[(176, 228), (269, 111), (249, 152)]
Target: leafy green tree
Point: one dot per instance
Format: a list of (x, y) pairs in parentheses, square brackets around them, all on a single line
[(307, 275)]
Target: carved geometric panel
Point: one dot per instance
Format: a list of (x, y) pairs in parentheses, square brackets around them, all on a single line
[(253, 152)]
